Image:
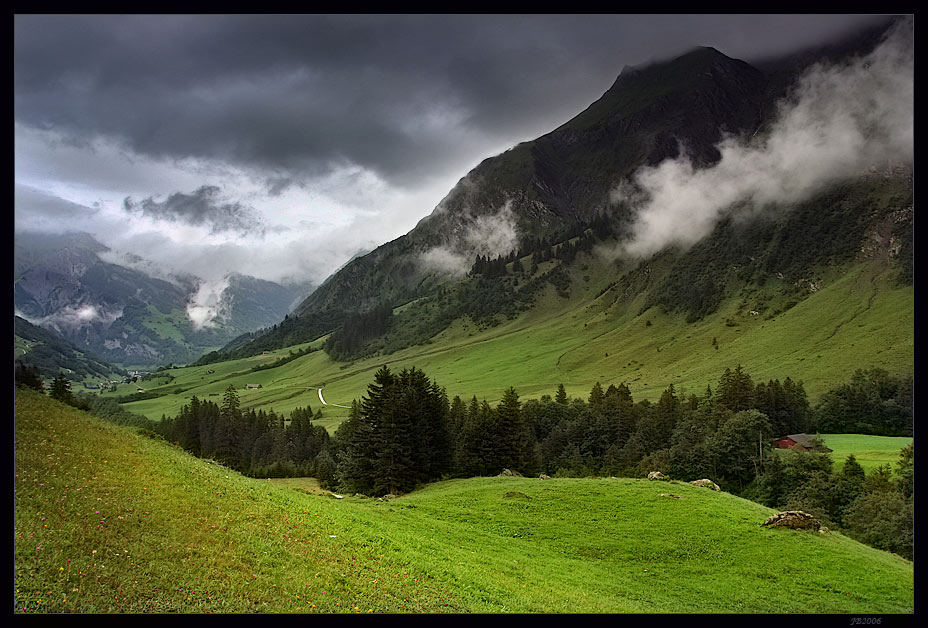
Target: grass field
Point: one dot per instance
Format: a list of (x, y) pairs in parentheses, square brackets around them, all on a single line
[(110, 520), (870, 451), (858, 320)]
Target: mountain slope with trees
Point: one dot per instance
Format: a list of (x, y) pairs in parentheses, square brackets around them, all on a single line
[(553, 198), (53, 355)]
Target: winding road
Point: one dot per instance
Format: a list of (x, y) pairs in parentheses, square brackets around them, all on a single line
[(325, 403)]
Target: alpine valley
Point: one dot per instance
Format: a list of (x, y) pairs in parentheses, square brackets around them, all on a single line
[(658, 359), (129, 317), (522, 276)]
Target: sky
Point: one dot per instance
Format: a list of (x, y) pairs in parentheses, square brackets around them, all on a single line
[(280, 146)]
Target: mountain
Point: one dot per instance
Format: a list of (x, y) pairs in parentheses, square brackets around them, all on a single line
[(128, 317), (54, 355), (531, 211)]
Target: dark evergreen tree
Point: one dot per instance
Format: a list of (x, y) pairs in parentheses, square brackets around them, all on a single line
[(354, 447), (736, 390), (61, 389), (28, 376), (511, 435), (873, 402), (597, 397)]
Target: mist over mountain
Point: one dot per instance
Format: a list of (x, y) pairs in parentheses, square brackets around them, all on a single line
[(52, 355), (698, 149), (69, 284)]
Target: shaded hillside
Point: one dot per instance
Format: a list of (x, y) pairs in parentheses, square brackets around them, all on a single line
[(54, 355), (534, 208)]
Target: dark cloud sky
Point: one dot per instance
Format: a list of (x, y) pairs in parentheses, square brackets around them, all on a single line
[(203, 207), (357, 125)]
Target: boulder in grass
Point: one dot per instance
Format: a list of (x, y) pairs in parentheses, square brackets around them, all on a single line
[(510, 473), (795, 519), (657, 475), (706, 483), (544, 477)]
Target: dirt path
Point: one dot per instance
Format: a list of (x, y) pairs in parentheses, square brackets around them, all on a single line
[(325, 403)]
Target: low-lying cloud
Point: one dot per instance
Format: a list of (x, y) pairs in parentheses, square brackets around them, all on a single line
[(209, 303), (839, 121), (490, 235), (75, 316)]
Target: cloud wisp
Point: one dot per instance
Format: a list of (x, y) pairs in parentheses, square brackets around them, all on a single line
[(209, 303), (204, 207), (839, 121), (74, 316), (489, 235)]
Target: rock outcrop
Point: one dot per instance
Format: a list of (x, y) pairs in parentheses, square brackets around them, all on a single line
[(796, 519), (706, 483)]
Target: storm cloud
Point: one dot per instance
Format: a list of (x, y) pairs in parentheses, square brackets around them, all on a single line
[(279, 145), (202, 207), (399, 95)]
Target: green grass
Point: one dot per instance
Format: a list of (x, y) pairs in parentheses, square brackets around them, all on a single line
[(859, 319), (109, 520), (167, 326), (870, 451)]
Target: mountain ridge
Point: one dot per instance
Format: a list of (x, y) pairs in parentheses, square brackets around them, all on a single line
[(561, 186), (128, 316)]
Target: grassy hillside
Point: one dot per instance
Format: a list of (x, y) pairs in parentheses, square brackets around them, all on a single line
[(859, 319), (107, 519)]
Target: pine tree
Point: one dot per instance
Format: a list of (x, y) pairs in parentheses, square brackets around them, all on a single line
[(29, 376), (61, 389), (905, 470), (353, 452), (596, 396), (230, 401), (510, 434), (736, 390)]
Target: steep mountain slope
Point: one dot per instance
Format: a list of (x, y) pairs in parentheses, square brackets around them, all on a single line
[(128, 317), (547, 187), (552, 198), (54, 355)]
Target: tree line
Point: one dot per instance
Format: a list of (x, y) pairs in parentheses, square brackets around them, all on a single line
[(405, 432)]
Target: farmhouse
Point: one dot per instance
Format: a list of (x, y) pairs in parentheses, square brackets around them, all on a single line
[(803, 442), (252, 386)]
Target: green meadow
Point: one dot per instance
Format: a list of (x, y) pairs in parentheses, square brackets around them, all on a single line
[(109, 519), (860, 319), (870, 451)]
